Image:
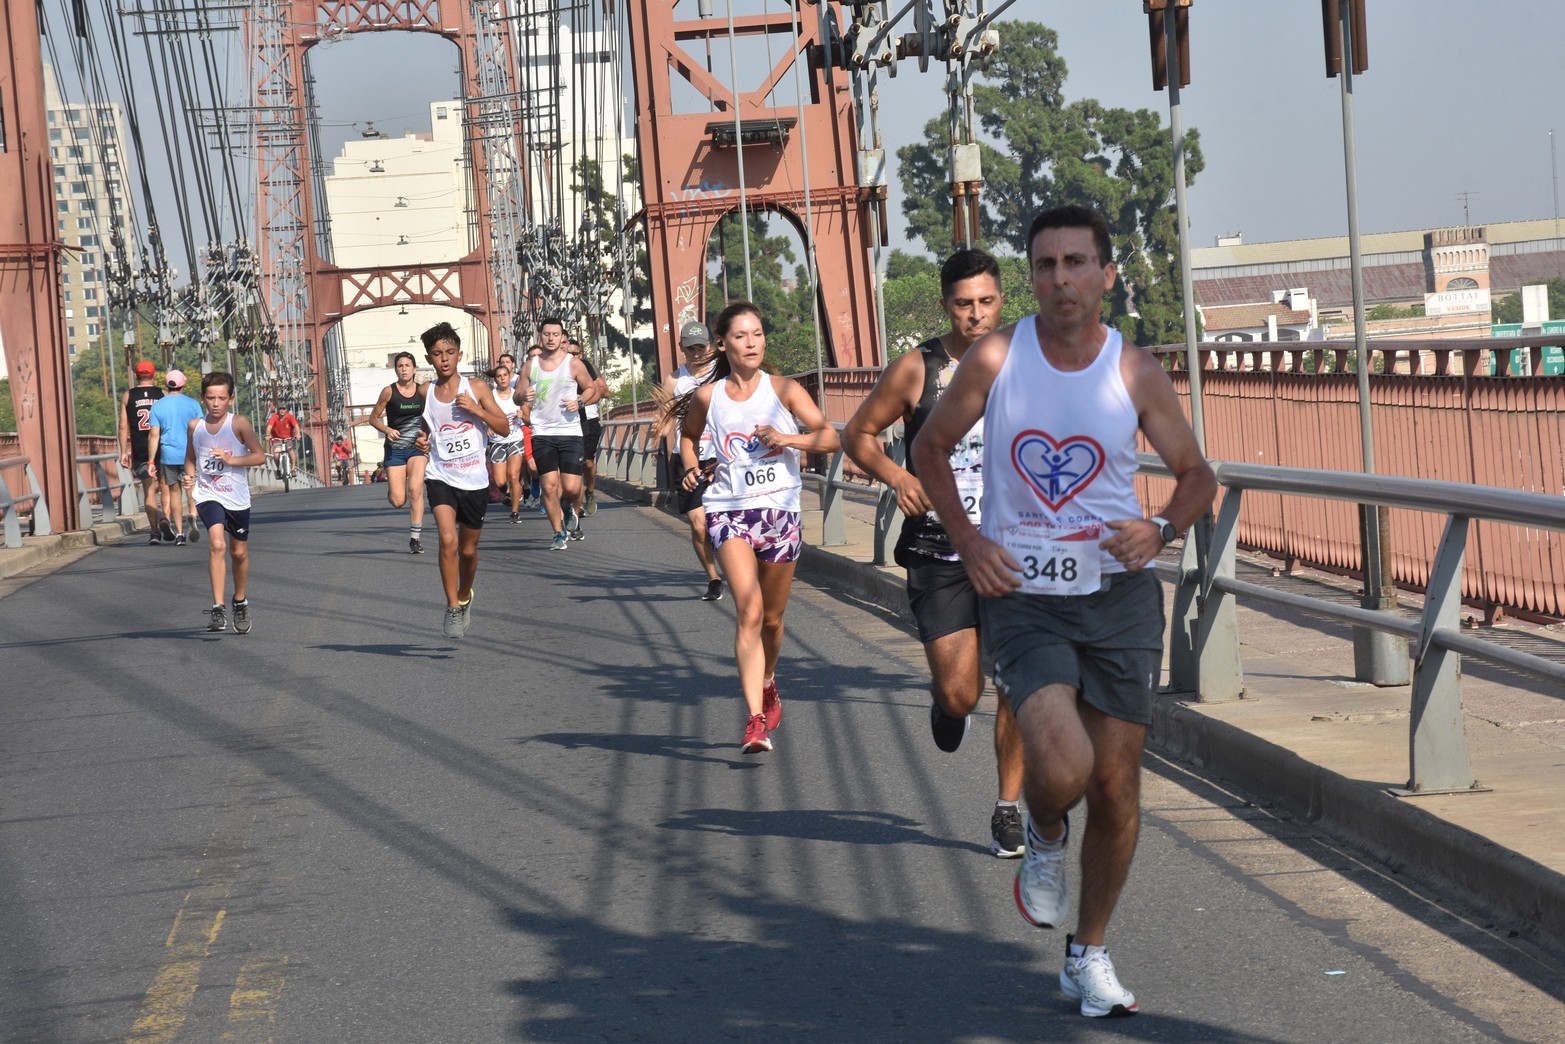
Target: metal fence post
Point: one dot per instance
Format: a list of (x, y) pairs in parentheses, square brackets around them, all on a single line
[(1220, 670), (1184, 668), (1437, 738), (41, 526), (834, 531)]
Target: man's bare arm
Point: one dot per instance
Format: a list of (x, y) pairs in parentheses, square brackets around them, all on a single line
[(894, 394)]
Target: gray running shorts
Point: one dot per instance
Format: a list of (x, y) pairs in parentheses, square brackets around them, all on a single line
[(1107, 645)]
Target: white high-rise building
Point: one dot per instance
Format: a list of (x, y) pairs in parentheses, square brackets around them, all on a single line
[(86, 149)]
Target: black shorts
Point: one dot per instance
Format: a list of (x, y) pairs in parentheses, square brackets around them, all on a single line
[(469, 504), (684, 502), (143, 470), (591, 434), (235, 523), (942, 597), (561, 453)]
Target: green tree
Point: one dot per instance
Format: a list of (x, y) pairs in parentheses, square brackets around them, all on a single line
[(1043, 151), (604, 209), (786, 311), (7, 408), (1509, 309)]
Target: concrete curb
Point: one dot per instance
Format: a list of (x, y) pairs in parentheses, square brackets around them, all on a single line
[(1519, 893), (36, 551)]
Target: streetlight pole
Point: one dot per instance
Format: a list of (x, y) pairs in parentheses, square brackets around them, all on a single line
[(1378, 658)]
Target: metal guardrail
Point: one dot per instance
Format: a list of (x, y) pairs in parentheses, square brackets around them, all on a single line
[(10, 504), (1206, 657), (110, 506)]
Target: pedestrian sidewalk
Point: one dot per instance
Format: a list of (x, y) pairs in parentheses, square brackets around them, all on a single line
[(1325, 748)]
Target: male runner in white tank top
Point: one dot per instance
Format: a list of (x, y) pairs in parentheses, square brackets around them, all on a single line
[(551, 392), (220, 450), (1075, 627)]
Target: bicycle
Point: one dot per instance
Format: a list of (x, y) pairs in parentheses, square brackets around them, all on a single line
[(282, 454)]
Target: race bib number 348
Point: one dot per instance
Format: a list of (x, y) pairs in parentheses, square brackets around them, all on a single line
[(1052, 566)]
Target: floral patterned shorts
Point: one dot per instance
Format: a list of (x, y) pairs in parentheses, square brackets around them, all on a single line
[(772, 532)]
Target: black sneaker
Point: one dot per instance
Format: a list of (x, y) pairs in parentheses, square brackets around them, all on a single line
[(714, 591), (166, 529), (1008, 839), (155, 538), (577, 534), (192, 530), (414, 547), (949, 731), (219, 619), (516, 516), (179, 540), (242, 617)]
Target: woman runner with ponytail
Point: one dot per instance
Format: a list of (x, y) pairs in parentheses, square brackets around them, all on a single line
[(758, 424)]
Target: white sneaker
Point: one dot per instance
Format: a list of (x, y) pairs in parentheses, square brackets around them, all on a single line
[(1090, 979), (1042, 890)]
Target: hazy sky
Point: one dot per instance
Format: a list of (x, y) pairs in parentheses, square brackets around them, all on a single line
[(1459, 98)]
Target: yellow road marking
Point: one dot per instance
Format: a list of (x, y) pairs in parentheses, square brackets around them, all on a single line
[(252, 1007), (168, 999)]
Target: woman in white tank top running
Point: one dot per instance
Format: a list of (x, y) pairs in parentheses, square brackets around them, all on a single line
[(754, 423)]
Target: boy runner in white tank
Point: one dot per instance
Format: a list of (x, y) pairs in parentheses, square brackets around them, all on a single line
[(753, 420), (1073, 622), (458, 417), (219, 452)]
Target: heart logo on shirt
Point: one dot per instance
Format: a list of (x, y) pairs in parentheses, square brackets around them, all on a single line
[(1056, 469), (737, 444)]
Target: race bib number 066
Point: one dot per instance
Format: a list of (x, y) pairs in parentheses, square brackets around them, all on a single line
[(1052, 566), (760, 476)]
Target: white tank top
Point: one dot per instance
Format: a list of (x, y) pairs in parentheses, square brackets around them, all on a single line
[(686, 382), (553, 388), (1059, 461), (748, 474), (456, 442), (216, 479), (513, 417)]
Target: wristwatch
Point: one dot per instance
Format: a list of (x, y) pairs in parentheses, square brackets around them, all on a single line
[(1165, 529)]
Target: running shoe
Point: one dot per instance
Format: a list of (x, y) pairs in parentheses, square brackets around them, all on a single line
[(1042, 890), (467, 610), (414, 547), (166, 528), (155, 538), (771, 705), (516, 516), (456, 624), (949, 730), (714, 591), (179, 540), (558, 543), (192, 527), (591, 506), (755, 738), (578, 533), (572, 521), (242, 617), (1090, 979), (219, 619), (1008, 840)]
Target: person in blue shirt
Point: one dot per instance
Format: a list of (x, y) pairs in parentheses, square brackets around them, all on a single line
[(170, 419)]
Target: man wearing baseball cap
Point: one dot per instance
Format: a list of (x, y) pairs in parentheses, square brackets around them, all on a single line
[(695, 343), (135, 431), (170, 420)]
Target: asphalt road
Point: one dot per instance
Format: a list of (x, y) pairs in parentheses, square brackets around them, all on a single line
[(343, 827)]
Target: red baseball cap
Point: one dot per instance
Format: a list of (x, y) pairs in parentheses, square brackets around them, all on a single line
[(145, 369)]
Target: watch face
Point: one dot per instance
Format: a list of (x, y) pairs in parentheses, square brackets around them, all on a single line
[(1169, 533)]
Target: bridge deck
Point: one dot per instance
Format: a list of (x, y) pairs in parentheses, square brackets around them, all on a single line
[(342, 824)]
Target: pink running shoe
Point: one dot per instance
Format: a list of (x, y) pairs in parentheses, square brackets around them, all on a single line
[(771, 705), (755, 740)]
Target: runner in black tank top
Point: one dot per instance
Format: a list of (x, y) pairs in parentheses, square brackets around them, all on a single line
[(944, 603), (135, 433), (397, 416)]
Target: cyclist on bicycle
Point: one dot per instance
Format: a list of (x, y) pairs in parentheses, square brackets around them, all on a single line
[(282, 428)]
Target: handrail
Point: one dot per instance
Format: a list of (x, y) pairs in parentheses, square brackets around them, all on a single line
[(10, 504), (109, 505)]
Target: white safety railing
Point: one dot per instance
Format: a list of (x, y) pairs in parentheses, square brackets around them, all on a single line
[(11, 504)]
